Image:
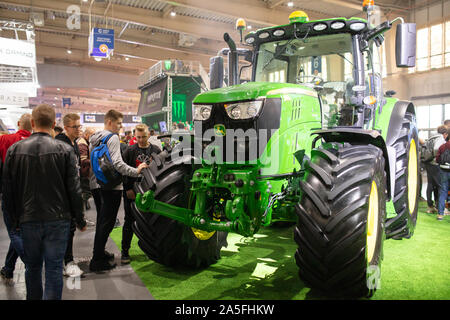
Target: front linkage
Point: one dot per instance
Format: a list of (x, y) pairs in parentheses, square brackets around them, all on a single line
[(230, 199)]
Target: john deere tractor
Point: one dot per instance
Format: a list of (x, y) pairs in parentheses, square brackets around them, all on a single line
[(311, 139)]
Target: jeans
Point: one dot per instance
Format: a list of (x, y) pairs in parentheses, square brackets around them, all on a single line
[(443, 191), (127, 231), (105, 221), (44, 242), (15, 249)]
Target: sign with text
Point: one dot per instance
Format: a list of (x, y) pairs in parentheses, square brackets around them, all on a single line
[(13, 98), (17, 53), (66, 102), (101, 42), (152, 98)]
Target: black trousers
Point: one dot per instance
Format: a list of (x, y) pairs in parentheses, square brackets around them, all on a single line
[(127, 231), (68, 257), (97, 200), (433, 183), (106, 220)]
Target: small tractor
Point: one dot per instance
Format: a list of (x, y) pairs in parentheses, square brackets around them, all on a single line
[(311, 140)]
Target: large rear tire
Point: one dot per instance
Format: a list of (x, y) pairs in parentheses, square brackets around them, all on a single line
[(407, 186), (167, 241), (340, 228)]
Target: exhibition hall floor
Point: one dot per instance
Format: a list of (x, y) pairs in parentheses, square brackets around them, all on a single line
[(262, 267), (121, 283)]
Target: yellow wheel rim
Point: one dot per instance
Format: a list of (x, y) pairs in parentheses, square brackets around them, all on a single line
[(412, 177), (372, 222)]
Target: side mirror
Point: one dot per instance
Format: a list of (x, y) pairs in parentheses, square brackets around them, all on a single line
[(216, 72), (405, 45)]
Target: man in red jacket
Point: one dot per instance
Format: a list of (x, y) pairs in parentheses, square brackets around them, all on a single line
[(15, 246)]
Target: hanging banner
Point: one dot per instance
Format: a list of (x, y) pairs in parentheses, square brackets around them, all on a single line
[(66, 102), (100, 118), (101, 42), (152, 98), (17, 53)]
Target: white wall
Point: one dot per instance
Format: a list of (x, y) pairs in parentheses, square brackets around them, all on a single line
[(427, 84)]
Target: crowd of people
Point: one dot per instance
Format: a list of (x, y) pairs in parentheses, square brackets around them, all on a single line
[(437, 167), (46, 180)]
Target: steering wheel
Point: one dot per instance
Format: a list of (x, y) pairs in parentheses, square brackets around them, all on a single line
[(315, 80)]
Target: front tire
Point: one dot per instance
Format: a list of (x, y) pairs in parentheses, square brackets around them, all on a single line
[(340, 229), (167, 241)]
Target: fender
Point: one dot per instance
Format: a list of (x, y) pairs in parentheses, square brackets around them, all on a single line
[(373, 137), (397, 116)]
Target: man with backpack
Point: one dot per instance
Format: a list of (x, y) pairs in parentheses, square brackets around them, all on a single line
[(432, 168), (108, 168), (443, 159)]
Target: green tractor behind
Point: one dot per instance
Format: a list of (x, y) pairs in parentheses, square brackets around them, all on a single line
[(311, 140)]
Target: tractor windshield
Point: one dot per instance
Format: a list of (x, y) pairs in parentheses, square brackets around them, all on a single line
[(321, 59), (325, 63)]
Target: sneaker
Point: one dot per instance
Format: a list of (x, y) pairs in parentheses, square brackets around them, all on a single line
[(101, 265), (440, 217), (432, 210), (125, 259), (5, 275), (72, 270), (89, 223)]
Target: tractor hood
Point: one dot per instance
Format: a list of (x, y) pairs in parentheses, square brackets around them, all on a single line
[(252, 91)]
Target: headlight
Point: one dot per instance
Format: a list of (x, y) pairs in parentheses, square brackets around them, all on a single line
[(250, 40), (202, 112), (320, 27), (337, 25), (357, 26), (278, 33), (243, 110), (264, 35)]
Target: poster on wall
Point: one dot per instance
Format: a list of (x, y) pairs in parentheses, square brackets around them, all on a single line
[(152, 98)]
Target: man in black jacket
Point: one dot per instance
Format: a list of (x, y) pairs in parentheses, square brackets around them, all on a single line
[(72, 131), (42, 193), (133, 156)]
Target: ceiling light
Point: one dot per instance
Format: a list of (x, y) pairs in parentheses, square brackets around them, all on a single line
[(173, 13), (126, 58), (58, 89), (97, 59), (56, 98), (69, 51), (249, 27), (290, 4)]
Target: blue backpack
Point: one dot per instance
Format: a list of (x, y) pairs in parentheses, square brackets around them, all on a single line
[(102, 166)]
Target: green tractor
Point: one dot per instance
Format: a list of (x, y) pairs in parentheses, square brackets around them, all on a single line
[(311, 140)]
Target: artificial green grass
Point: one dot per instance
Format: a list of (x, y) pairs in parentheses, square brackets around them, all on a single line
[(263, 267)]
